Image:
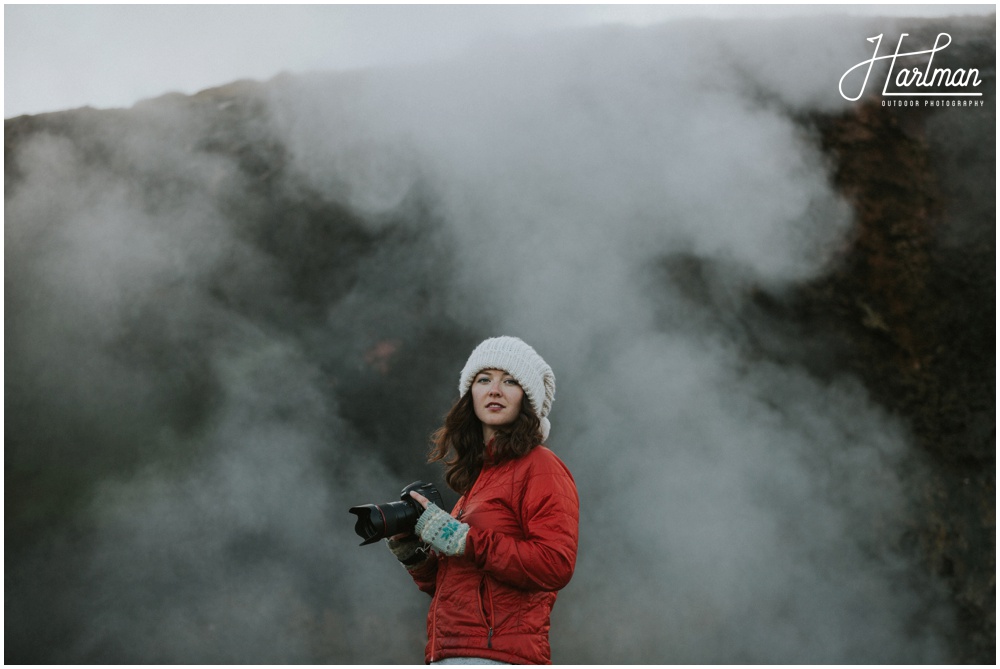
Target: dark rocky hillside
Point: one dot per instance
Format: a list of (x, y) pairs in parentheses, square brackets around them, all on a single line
[(911, 300), (210, 356)]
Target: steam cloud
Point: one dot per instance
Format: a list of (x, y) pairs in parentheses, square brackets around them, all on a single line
[(232, 398)]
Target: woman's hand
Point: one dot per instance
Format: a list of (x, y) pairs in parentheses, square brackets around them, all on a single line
[(420, 498), (437, 528), (423, 501)]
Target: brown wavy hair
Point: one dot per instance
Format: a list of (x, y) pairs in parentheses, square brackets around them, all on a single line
[(459, 442)]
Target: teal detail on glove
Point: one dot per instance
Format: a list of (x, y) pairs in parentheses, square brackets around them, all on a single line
[(441, 531)]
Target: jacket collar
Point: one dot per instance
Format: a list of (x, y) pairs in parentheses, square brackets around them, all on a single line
[(489, 458)]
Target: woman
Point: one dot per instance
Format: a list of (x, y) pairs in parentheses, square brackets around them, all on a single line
[(493, 565)]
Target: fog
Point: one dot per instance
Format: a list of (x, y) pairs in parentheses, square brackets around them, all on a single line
[(231, 370), (73, 55)]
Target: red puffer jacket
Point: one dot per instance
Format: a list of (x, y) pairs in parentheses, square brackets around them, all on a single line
[(494, 601)]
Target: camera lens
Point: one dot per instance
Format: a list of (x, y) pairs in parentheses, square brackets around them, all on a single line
[(370, 523), (377, 521)]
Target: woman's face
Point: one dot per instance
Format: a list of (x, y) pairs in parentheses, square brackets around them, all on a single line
[(496, 399)]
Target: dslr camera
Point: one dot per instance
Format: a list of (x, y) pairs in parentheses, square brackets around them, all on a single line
[(378, 521)]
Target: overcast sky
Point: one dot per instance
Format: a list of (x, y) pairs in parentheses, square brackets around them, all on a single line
[(65, 56)]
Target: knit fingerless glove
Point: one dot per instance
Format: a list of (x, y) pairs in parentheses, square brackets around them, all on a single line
[(411, 552), (441, 531)]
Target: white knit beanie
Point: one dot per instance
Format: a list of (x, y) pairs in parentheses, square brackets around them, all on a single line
[(520, 361)]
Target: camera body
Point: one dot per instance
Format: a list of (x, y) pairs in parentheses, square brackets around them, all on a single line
[(378, 521)]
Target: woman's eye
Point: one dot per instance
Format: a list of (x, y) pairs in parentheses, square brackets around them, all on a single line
[(511, 382)]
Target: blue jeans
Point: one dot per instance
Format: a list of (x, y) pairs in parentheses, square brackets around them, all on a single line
[(467, 660)]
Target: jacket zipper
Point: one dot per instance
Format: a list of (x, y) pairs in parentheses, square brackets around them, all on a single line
[(467, 496), (482, 610), (442, 564), (485, 583)]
